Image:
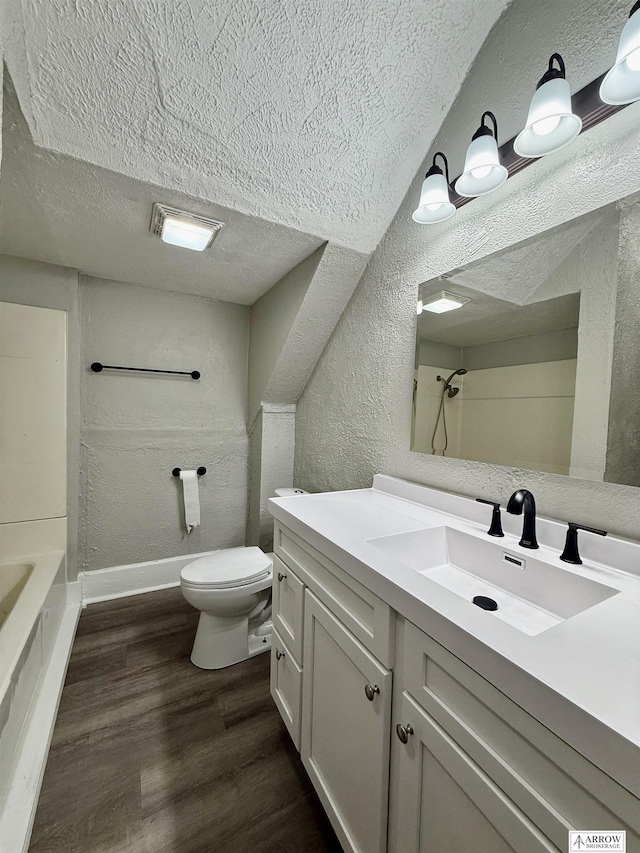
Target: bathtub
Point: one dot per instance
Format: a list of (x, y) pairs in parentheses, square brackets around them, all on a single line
[(25, 584), (13, 577), (37, 627)]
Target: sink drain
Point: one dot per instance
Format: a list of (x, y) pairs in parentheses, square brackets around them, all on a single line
[(485, 602)]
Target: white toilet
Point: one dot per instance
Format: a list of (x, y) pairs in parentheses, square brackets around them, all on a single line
[(232, 588)]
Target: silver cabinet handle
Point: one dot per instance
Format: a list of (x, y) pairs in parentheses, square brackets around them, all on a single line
[(279, 654), (281, 577), (403, 732), (371, 691)]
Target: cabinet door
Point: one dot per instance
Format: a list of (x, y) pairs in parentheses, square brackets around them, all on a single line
[(286, 686), (444, 800), (288, 593), (345, 734)]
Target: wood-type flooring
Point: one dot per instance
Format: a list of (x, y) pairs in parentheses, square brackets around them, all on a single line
[(152, 755)]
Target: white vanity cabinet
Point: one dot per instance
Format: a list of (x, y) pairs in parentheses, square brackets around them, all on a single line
[(345, 636), (469, 764), (409, 749)]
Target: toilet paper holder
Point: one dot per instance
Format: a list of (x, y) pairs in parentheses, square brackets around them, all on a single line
[(201, 470)]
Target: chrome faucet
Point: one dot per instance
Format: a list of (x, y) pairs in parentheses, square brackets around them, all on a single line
[(524, 500)]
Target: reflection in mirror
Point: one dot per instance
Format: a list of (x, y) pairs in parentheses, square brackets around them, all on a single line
[(535, 360)]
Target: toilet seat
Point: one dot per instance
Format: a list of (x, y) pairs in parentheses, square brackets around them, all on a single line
[(227, 569)]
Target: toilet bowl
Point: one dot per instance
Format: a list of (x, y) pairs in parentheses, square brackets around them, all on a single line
[(232, 589)]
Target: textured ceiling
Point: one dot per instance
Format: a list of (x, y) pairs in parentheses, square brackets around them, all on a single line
[(64, 211), (502, 290), (496, 320), (517, 273), (314, 114)]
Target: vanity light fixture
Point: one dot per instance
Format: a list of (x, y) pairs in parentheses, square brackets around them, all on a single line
[(435, 203), (551, 123), (180, 228), (483, 172), (441, 302), (621, 84)]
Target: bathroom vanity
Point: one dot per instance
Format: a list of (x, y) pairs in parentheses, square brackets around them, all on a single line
[(426, 723)]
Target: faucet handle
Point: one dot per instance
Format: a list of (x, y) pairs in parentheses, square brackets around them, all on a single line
[(571, 553), (496, 523)]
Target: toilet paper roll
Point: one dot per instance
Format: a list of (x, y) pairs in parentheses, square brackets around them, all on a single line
[(191, 499)]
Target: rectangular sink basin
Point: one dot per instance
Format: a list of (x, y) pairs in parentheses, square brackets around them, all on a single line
[(532, 595)]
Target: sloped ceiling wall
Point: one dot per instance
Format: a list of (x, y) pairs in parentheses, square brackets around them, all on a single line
[(354, 417), (314, 114)]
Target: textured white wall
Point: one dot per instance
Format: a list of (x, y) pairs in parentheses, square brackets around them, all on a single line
[(623, 454), (271, 319), (591, 269), (271, 456), (136, 428), (1, 95), (354, 417)]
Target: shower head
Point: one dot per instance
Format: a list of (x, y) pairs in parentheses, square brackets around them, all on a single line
[(459, 372), (453, 392)]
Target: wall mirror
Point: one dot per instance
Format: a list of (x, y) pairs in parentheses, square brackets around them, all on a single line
[(531, 357)]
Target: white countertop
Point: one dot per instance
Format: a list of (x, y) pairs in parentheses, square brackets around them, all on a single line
[(580, 678)]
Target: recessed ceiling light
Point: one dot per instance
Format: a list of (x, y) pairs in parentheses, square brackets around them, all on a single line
[(443, 301), (180, 228)]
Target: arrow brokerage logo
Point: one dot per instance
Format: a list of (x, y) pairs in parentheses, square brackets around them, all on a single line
[(595, 840)]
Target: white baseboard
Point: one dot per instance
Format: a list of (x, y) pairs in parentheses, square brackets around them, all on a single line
[(119, 581), (18, 814)]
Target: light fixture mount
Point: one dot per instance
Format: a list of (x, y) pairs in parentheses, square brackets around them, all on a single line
[(483, 130), (553, 73), (204, 228)]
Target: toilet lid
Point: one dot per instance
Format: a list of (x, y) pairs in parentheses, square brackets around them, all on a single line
[(228, 568)]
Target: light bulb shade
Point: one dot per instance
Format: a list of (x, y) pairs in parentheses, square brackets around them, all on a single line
[(435, 205), (483, 172), (621, 85), (550, 124)]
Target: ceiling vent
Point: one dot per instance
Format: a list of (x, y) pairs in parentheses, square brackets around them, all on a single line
[(181, 228)]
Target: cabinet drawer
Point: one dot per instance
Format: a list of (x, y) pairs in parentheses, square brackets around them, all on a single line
[(555, 786), (286, 686), (369, 618), (288, 606)]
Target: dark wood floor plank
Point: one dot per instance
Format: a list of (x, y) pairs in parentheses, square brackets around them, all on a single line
[(153, 755)]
